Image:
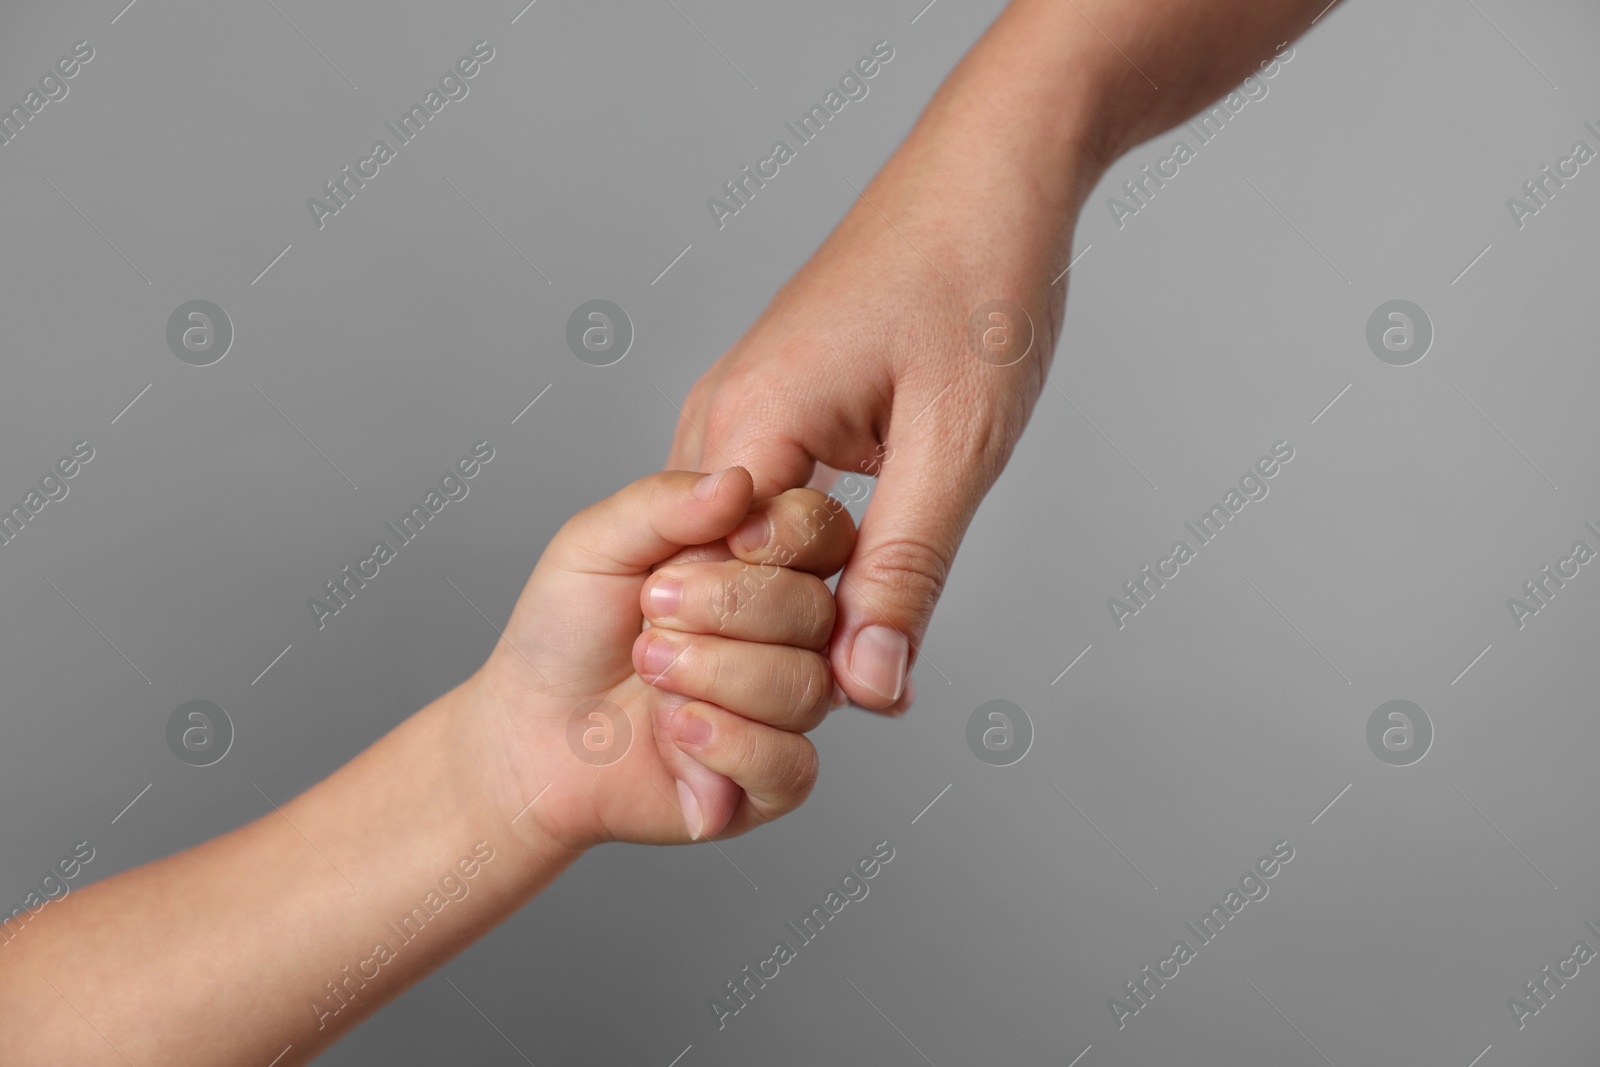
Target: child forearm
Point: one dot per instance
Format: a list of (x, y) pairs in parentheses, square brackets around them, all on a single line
[(332, 903)]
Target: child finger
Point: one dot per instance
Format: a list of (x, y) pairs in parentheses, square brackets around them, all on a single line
[(769, 603), (790, 688), (775, 768), (647, 521)]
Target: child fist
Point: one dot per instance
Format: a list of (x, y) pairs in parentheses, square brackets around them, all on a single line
[(596, 727)]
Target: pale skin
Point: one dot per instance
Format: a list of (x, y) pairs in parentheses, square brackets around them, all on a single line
[(983, 196)]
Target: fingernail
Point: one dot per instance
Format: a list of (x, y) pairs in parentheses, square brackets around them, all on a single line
[(839, 699), (878, 660), (691, 811), (691, 729), (906, 698), (665, 596), (706, 488), (752, 535), (658, 656)]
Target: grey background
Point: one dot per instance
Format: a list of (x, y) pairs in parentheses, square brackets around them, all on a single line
[(1214, 324)]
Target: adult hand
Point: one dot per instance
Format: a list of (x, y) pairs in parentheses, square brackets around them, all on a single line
[(881, 355), (867, 361), (864, 363)]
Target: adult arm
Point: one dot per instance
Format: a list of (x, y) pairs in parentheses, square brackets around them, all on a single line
[(864, 361)]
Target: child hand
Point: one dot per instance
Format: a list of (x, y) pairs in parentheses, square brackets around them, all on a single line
[(596, 731)]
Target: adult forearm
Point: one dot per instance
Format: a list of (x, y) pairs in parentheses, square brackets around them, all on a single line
[(1057, 90), (1106, 75)]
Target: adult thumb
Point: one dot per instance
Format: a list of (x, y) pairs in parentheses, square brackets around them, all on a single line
[(921, 508)]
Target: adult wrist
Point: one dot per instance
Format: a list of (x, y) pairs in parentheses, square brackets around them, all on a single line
[(990, 181), (1035, 113)]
